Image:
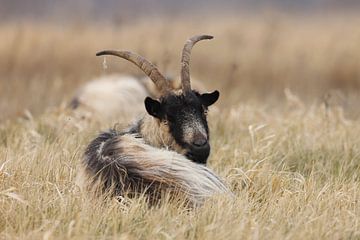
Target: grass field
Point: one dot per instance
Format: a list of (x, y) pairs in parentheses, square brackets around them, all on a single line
[(285, 135)]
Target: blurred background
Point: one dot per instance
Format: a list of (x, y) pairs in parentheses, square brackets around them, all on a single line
[(263, 49)]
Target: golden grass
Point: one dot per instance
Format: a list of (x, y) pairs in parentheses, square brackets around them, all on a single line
[(295, 174), (293, 165)]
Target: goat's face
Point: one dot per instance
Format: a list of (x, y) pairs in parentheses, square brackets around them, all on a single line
[(186, 117)]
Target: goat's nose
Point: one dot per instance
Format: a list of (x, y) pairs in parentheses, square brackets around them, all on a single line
[(200, 141)]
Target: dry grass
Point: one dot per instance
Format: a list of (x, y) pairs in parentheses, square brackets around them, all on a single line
[(293, 165)]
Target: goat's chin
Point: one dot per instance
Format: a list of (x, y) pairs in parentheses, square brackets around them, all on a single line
[(200, 158)]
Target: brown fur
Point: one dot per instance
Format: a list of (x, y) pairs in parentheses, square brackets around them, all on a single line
[(157, 134)]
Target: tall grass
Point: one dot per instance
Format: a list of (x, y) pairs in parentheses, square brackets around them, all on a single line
[(284, 137), (295, 175)]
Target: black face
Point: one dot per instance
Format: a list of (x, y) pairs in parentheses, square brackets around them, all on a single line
[(186, 117)]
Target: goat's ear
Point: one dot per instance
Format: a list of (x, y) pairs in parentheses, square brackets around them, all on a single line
[(153, 107), (208, 99)]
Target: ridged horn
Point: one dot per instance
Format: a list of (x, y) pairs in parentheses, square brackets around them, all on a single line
[(185, 60), (147, 67)]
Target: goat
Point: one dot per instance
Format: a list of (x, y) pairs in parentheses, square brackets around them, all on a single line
[(166, 150)]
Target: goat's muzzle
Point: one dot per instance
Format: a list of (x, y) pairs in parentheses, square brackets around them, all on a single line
[(199, 150)]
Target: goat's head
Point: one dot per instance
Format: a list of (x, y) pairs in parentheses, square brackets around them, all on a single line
[(184, 111)]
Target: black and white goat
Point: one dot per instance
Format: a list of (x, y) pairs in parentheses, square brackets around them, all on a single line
[(166, 150)]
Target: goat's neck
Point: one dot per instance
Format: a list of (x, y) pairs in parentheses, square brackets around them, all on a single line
[(155, 132)]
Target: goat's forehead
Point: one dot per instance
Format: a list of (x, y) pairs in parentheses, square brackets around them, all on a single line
[(186, 110), (178, 100)]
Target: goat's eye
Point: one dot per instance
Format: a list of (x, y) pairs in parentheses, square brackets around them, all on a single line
[(205, 111)]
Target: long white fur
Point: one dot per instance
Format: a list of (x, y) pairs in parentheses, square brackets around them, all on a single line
[(196, 182)]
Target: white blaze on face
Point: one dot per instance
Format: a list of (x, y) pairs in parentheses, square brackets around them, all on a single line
[(193, 128)]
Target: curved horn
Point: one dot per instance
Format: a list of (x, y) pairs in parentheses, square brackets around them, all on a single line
[(185, 60), (147, 67)]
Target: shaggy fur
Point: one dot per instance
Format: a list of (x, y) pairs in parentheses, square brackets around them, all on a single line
[(122, 161)]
